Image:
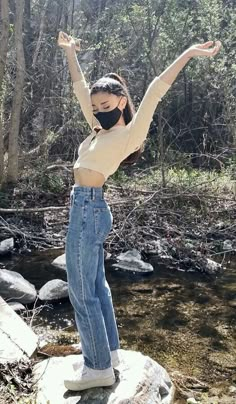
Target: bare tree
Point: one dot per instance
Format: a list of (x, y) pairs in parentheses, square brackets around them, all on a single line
[(41, 30), (12, 173), (3, 56)]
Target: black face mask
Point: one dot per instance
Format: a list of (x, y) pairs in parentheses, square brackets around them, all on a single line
[(110, 118)]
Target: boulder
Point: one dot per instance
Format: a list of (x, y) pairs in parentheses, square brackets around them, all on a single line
[(139, 379), (131, 261), (16, 338), (13, 286), (6, 246), (54, 290)]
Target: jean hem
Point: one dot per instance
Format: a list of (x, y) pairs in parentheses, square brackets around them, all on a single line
[(96, 368)]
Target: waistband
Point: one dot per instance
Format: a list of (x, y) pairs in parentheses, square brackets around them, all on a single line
[(91, 192)]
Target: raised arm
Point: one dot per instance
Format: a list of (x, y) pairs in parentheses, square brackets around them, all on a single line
[(157, 89), (80, 87)]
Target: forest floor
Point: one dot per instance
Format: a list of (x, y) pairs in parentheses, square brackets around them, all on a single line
[(194, 211)]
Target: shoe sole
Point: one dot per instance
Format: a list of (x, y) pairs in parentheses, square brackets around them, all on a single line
[(75, 386)]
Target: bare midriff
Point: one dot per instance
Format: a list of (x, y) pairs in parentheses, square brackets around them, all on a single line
[(88, 178)]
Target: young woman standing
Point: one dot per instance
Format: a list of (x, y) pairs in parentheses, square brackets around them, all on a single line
[(117, 133)]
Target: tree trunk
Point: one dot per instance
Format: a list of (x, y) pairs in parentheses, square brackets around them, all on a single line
[(41, 30), (3, 53), (12, 173), (28, 39)]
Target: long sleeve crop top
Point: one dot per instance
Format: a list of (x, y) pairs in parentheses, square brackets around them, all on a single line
[(105, 150)]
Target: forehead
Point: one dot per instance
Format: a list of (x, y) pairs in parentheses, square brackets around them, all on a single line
[(102, 97)]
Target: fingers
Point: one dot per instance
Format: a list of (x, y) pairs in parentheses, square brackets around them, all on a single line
[(63, 35), (207, 44)]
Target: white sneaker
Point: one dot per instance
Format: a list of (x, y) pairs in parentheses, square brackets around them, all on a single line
[(115, 360), (86, 378)]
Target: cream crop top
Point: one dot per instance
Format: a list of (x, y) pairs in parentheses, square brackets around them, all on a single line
[(105, 150)]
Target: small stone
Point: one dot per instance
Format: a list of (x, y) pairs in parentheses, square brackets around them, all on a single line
[(191, 400), (60, 262), (232, 303), (6, 246), (227, 245), (232, 389)]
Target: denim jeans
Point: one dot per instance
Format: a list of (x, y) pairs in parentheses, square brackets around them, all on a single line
[(90, 295)]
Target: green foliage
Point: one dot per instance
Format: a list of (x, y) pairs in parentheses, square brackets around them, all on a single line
[(4, 200), (52, 182)]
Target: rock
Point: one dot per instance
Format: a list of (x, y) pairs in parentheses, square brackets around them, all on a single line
[(54, 290), (107, 255), (60, 262), (232, 389), (14, 286), (191, 400), (16, 338), (160, 248), (131, 261), (227, 245), (16, 306), (6, 246), (212, 267), (140, 380), (232, 303)]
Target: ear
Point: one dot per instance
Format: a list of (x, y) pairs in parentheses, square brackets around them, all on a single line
[(123, 102)]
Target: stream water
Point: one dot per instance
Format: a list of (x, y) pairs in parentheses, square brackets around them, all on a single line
[(184, 321)]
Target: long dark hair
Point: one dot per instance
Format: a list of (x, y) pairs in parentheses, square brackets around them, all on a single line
[(112, 83)]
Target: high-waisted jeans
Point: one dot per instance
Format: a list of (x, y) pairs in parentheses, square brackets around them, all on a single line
[(90, 295)]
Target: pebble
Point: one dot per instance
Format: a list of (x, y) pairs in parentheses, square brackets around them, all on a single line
[(232, 389), (232, 303), (191, 400)]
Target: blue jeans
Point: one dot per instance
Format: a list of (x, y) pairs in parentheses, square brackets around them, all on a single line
[(90, 295)]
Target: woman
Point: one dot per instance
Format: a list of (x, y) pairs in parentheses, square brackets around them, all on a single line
[(117, 132)]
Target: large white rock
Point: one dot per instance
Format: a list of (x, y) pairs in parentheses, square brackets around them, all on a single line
[(131, 261), (16, 338), (13, 286), (140, 380), (54, 290)]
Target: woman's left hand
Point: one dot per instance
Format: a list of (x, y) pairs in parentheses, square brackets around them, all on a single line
[(202, 49)]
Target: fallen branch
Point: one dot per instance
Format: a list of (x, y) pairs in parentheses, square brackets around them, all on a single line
[(28, 210)]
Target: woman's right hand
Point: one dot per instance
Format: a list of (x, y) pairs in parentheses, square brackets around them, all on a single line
[(67, 42)]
